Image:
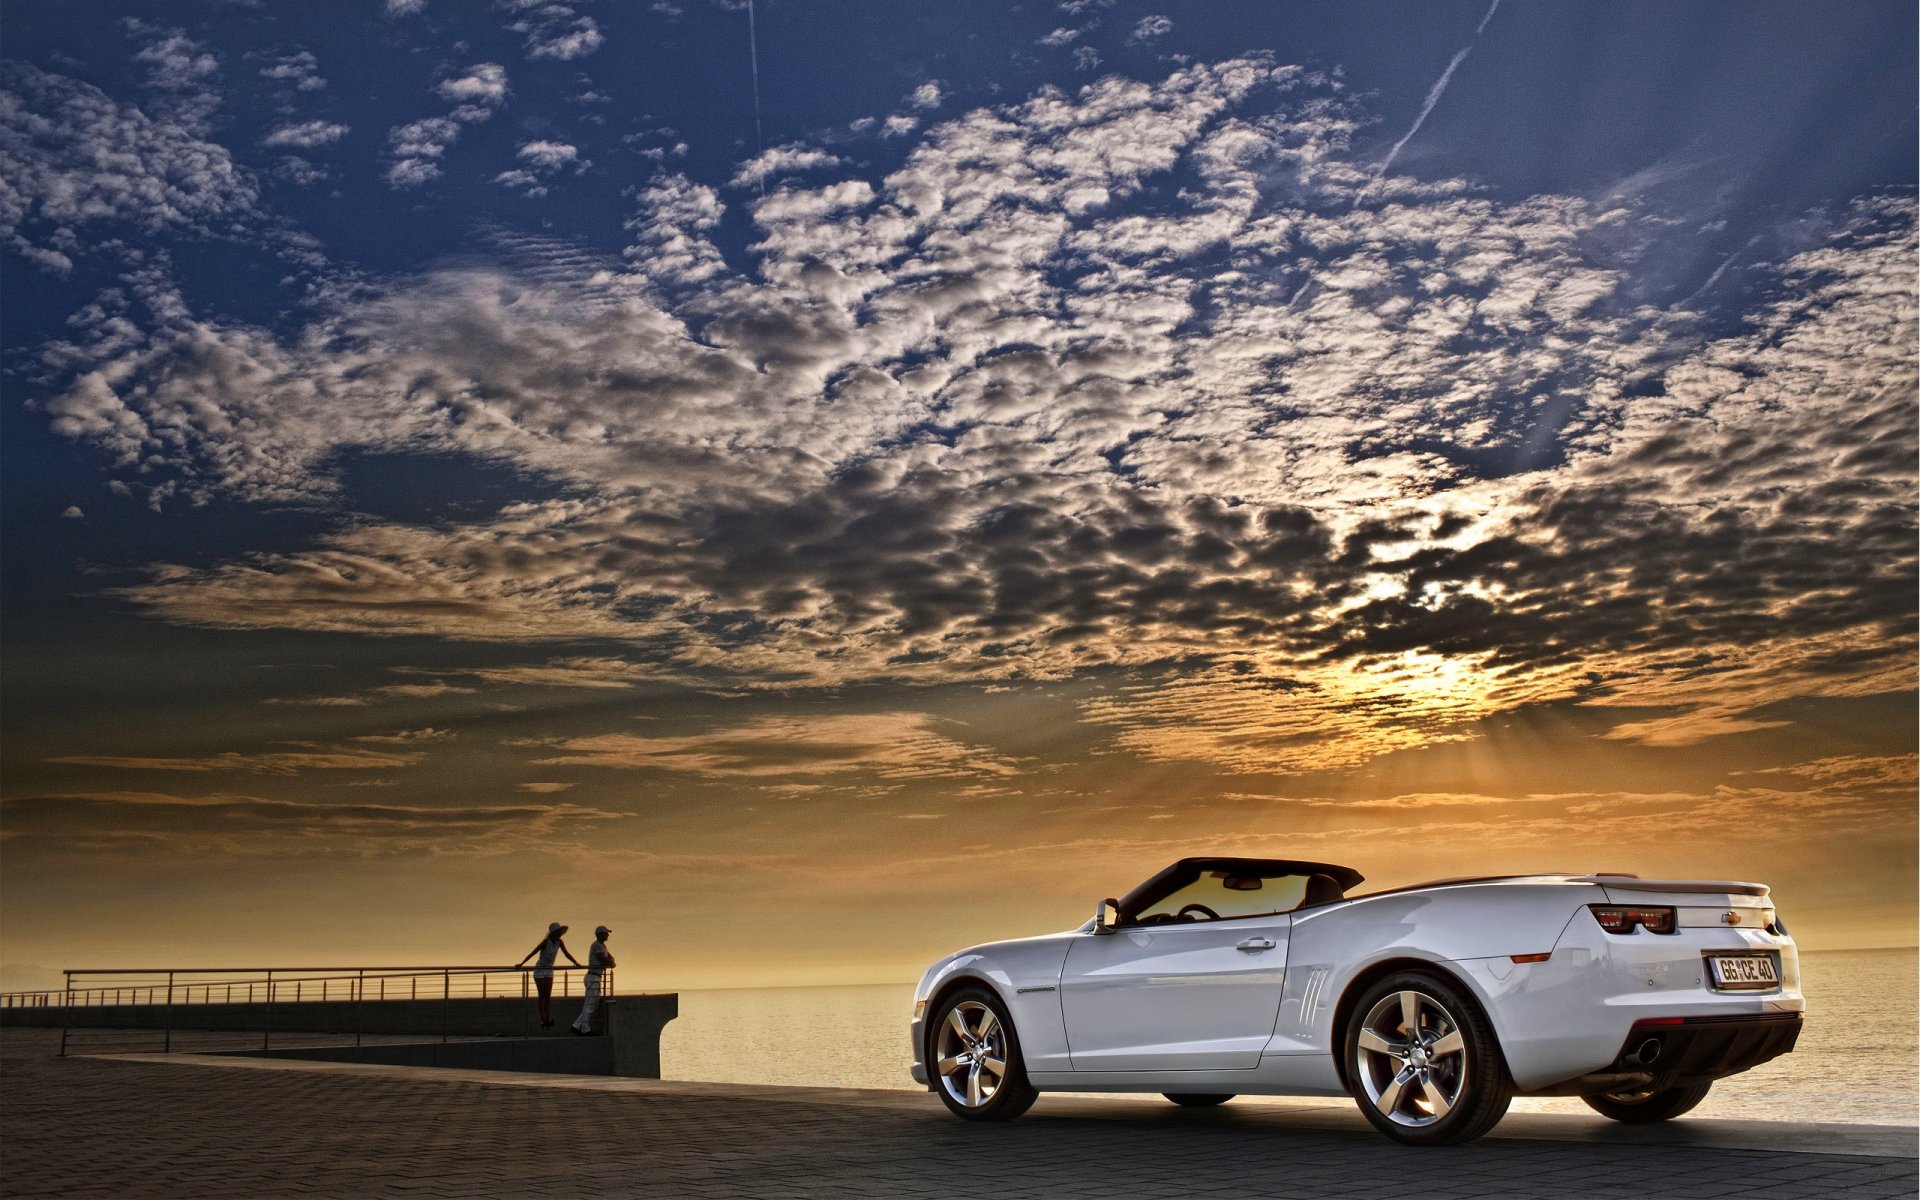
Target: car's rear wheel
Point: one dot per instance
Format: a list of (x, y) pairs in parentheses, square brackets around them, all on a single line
[(1195, 1100), (1645, 1106), (975, 1057), (1423, 1063)]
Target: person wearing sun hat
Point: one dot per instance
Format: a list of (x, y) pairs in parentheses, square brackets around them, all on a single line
[(550, 948), (599, 959)]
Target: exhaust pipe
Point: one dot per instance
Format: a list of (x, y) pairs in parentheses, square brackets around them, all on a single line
[(1646, 1052)]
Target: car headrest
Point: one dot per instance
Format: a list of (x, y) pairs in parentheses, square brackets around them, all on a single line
[(1322, 889)]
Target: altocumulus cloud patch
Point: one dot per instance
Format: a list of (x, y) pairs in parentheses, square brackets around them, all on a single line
[(1152, 371)]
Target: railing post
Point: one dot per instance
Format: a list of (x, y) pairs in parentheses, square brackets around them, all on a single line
[(359, 1001), (166, 1044), (446, 1000), (266, 1031), (66, 1012)]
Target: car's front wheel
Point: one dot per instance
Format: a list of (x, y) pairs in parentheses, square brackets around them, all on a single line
[(976, 1058), (1196, 1100), (1423, 1062), (1643, 1107)]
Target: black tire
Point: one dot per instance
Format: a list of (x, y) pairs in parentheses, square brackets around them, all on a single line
[(1194, 1100), (1012, 1094), (1644, 1108), (1469, 1078)]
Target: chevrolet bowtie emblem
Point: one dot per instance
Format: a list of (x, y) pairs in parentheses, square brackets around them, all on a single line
[(1731, 918)]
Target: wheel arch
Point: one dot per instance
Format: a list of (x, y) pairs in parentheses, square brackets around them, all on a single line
[(1373, 973), (948, 986)]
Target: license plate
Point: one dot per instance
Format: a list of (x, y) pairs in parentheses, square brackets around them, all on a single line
[(1743, 971)]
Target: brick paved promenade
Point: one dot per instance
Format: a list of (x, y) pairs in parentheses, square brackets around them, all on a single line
[(244, 1127)]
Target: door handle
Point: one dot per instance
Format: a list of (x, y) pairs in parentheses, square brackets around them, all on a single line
[(1254, 945)]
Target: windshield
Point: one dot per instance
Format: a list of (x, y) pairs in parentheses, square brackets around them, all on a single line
[(1223, 895)]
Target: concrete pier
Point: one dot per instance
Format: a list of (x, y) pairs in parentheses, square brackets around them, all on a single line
[(431, 1032), (190, 1125)]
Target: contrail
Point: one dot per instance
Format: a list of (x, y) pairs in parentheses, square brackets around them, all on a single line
[(1433, 98), (753, 46), (1434, 93)]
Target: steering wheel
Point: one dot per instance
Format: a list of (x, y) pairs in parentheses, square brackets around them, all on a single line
[(1199, 908)]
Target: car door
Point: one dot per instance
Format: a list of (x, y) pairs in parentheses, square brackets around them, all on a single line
[(1184, 997)]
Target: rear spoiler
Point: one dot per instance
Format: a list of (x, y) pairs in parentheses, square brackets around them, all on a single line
[(1627, 883)]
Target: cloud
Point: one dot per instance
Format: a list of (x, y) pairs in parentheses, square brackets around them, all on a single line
[(421, 691), (595, 673), (299, 171), (556, 31), (576, 672), (782, 160), (890, 745), (407, 737), (544, 788), (405, 8), (484, 83), (302, 70), (548, 156), (927, 95), (272, 762), (71, 158), (183, 74), (72, 513), (1154, 382), (1151, 28), (1689, 728), (418, 146), (1060, 37), (412, 172), (232, 824), (305, 134)]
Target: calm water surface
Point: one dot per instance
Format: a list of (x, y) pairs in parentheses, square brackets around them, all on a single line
[(1857, 1061)]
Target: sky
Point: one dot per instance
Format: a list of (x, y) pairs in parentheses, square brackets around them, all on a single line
[(819, 485)]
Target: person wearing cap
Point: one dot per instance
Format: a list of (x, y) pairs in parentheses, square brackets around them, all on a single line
[(599, 958), (550, 948)]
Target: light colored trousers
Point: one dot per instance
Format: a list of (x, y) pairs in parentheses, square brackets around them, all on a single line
[(585, 1023)]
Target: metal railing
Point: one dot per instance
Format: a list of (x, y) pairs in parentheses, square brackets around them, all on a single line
[(181, 988)]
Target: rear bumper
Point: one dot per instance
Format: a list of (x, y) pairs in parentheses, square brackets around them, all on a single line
[(1670, 1053), (1700, 1049)]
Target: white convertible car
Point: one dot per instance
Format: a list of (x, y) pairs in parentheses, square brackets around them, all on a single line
[(1431, 1005)]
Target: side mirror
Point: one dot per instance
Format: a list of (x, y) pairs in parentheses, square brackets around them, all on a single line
[(1106, 918)]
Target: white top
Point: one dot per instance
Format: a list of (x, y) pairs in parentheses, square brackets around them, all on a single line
[(597, 956), (549, 950)]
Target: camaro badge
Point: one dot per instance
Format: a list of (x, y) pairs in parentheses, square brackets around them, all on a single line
[(1731, 918)]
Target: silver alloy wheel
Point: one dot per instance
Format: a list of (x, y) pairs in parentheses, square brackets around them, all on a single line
[(1411, 1059), (970, 1055)]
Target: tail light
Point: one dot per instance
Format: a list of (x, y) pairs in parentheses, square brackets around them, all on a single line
[(1616, 918)]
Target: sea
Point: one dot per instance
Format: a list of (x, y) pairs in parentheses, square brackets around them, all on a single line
[(1857, 1062)]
